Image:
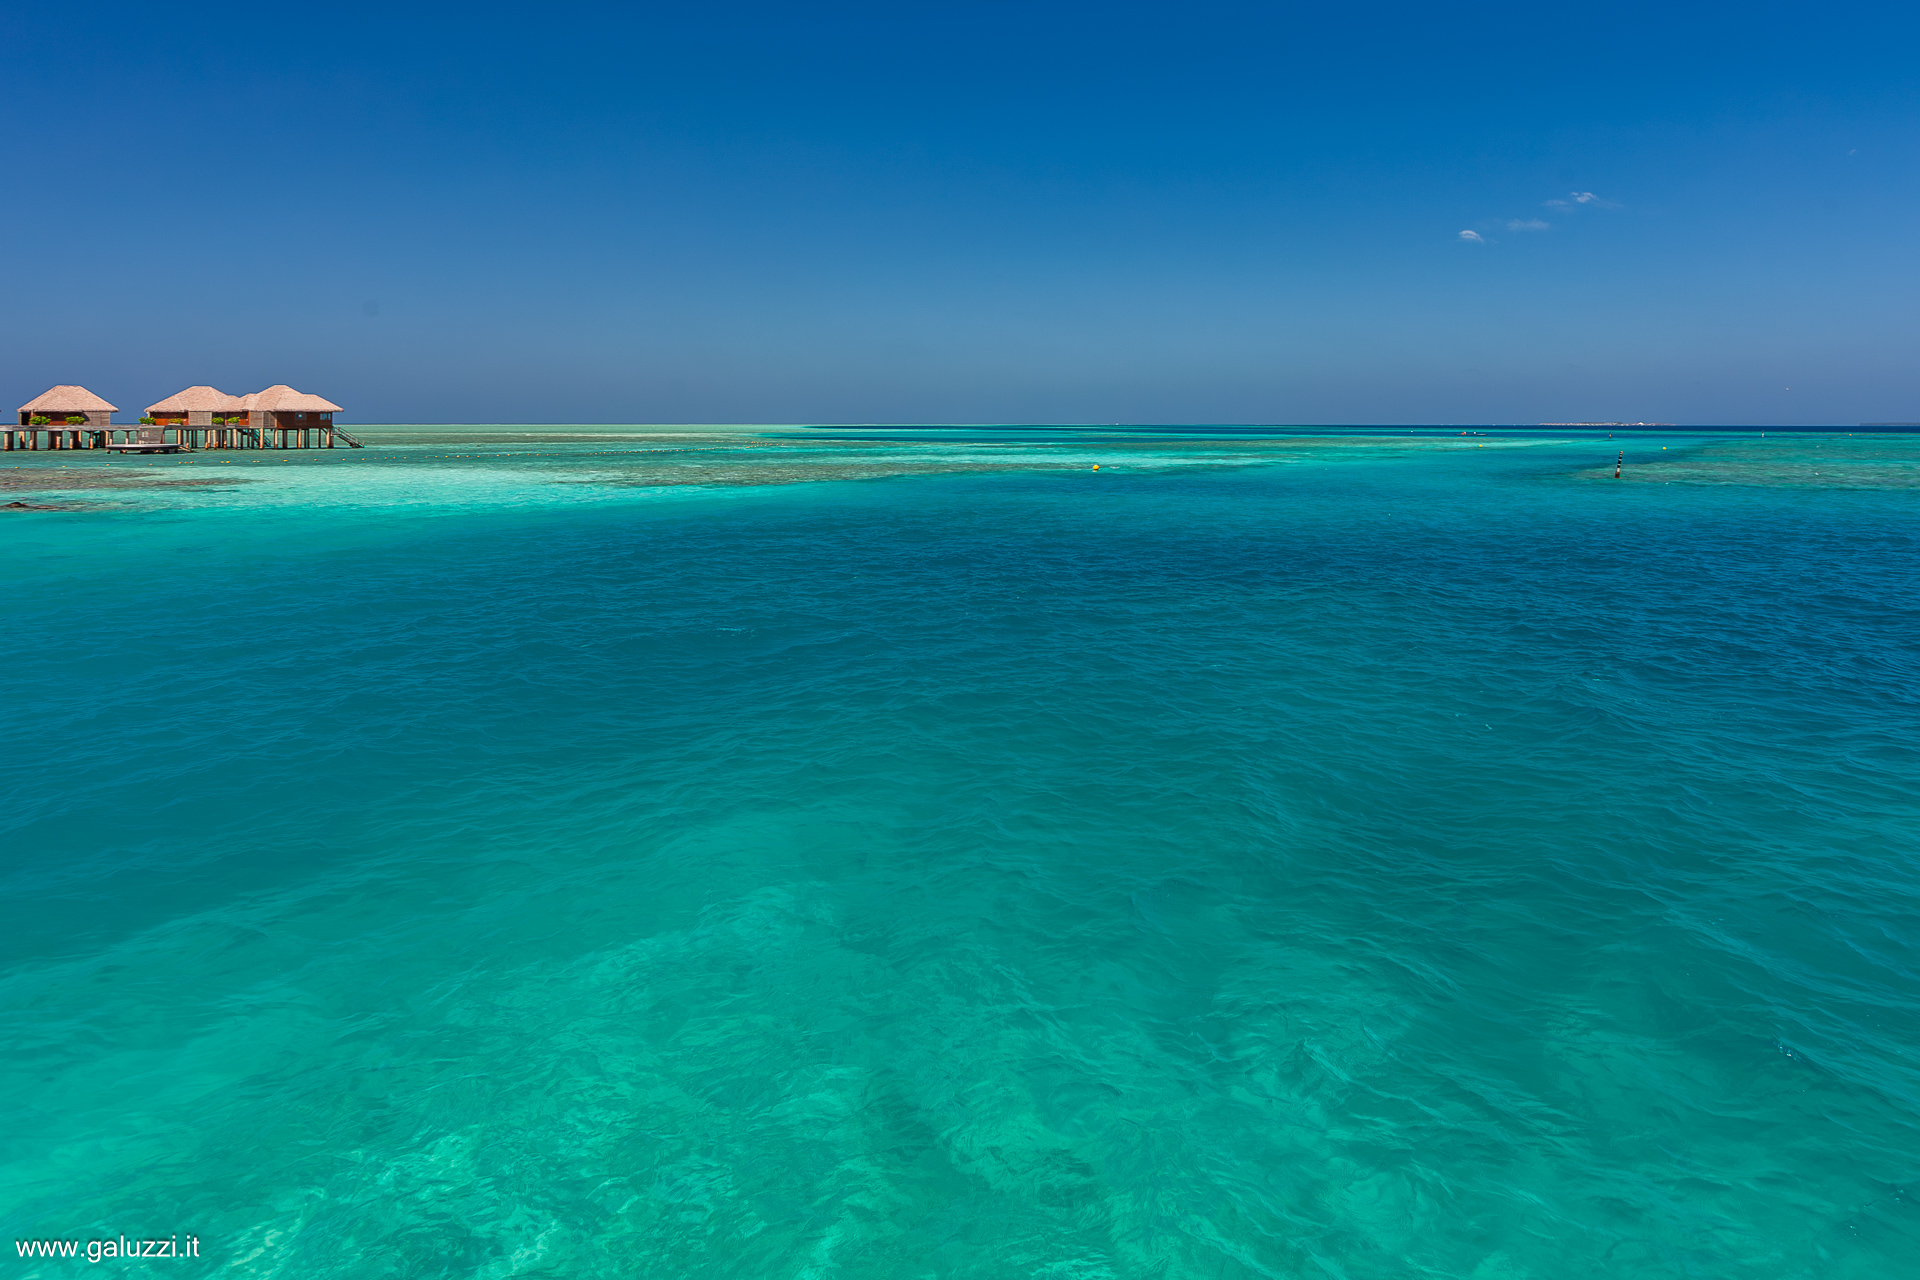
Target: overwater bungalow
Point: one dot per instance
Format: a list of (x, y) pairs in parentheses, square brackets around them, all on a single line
[(70, 417), (204, 417), (59, 404), (289, 419)]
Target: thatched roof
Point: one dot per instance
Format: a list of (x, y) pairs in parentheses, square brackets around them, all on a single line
[(67, 399), (281, 398), (197, 400)]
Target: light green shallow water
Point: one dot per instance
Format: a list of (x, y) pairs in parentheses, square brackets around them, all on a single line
[(777, 855)]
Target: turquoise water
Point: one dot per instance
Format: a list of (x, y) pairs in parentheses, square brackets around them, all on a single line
[(866, 855)]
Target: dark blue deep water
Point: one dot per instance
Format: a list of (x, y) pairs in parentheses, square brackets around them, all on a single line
[(774, 856)]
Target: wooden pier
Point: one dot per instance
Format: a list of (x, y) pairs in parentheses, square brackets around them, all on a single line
[(120, 439)]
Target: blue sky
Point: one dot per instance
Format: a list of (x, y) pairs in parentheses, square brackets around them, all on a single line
[(972, 213)]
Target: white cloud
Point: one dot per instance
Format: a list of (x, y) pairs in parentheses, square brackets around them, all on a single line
[(1473, 237), (1587, 198), (1527, 224)]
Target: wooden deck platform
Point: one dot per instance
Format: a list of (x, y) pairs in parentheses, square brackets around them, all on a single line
[(173, 439)]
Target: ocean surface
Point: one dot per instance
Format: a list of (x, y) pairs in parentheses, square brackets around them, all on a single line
[(867, 854)]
